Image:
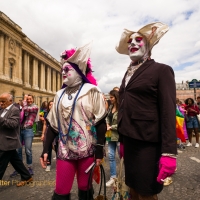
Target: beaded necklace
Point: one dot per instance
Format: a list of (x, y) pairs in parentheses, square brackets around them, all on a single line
[(69, 91)]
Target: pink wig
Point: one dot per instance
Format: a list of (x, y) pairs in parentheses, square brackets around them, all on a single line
[(89, 74), (68, 53)]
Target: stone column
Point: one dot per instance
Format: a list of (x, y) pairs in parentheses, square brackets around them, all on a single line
[(48, 75), (26, 69), (58, 81), (1, 55), (35, 74), (5, 60), (20, 64), (61, 80), (42, 75), (54, 82)]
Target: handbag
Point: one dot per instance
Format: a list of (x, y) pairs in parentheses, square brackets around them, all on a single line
[(108, 135), (121, 190), (103, 179)]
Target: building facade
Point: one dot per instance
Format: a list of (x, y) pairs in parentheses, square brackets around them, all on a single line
[(24, 66), (183, 91)]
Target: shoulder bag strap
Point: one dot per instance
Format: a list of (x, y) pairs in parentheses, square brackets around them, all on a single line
[(73, 106)]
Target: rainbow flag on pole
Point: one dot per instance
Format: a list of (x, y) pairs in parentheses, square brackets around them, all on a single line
[(179, 125)]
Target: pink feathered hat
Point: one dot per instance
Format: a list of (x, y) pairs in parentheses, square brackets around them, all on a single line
[(80, 61)]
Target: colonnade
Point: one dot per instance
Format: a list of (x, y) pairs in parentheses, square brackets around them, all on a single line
[(40, 76), (27, 69)]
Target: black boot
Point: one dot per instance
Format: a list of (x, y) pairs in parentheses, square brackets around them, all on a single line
[(60, 197), (85, 195)]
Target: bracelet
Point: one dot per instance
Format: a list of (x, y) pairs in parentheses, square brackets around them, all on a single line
[(100, 145), (170, 155)]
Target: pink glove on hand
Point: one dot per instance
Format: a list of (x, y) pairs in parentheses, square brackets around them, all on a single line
[(167, 167), (121, 150)]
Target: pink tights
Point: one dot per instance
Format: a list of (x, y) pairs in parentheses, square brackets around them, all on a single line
[(65, 172)]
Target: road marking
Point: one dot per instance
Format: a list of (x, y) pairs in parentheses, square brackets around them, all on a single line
[(195, 159)]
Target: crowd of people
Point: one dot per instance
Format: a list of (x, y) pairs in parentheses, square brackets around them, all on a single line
[(190, 111), (79, 120)]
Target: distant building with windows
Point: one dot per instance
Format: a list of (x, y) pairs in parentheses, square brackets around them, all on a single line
[(24, 66), (183, 91)]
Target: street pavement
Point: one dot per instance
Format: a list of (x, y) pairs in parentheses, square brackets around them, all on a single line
[(185, 186)]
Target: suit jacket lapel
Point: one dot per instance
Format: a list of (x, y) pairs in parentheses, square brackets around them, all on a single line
[(123, 80), (1, 111), (140, 70), (8, 111)]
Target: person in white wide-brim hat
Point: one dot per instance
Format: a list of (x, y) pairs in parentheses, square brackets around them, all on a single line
[(146, 116)]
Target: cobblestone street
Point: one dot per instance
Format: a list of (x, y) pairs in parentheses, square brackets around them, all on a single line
[(185, 186)]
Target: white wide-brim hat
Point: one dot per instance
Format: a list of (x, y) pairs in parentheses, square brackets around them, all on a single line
[(153, 33)]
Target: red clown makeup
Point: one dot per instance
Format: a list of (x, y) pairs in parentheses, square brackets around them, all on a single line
[(137, 39), (69, 74), (137, 47)]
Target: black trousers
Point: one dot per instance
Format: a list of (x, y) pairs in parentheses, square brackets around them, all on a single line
[(12, 157)]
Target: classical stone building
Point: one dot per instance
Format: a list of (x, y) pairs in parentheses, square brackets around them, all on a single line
[(24, 66)]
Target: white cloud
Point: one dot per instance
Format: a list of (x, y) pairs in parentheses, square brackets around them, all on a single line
[(56, 25)]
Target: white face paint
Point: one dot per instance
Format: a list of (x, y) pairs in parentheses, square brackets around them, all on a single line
[(137, 47), (70, 76)]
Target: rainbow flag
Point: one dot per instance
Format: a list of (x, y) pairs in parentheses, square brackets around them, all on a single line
[(41, 113), (179, 125)]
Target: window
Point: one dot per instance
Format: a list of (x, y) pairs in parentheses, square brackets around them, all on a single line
[(12, 92), (11, 67), (11, 71)]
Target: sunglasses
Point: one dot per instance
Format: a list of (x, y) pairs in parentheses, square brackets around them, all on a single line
[(66, 69)]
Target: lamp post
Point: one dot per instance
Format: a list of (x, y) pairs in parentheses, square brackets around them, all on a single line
[(194, 84)]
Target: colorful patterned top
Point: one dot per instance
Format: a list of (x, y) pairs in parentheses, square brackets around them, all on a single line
[(89, 109), (30, 113)]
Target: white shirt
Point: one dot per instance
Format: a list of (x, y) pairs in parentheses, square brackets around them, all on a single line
[(5, 110)]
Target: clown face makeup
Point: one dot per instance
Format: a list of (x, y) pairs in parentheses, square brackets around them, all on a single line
[(70, 76), (137, 47)]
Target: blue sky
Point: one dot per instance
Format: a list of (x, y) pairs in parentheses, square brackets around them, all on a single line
[(56, 25)]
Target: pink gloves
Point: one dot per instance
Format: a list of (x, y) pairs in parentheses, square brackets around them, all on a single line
[(121, 150), (167, 167)]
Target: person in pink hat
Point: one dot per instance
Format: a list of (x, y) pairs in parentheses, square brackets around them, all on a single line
[(78, 117), (146, 116)]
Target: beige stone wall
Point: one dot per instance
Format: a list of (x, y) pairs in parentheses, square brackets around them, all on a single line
[(24, 66), (19, 92), (1, 55), (184, 94)]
